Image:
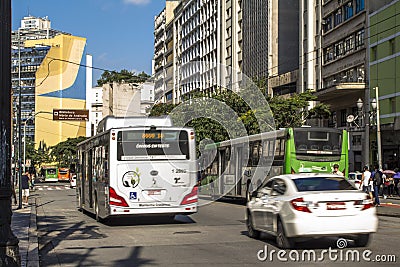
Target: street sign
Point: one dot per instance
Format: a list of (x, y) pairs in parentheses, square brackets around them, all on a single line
[(70, 115)]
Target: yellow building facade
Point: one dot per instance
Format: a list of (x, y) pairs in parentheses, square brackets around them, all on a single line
[(60, 84)]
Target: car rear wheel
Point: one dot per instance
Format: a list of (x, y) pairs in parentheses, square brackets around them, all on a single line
[(282, 240), (253, 233), (362, 240)]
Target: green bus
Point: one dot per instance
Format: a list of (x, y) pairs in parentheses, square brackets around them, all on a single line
[(236, 167), (49, 173)]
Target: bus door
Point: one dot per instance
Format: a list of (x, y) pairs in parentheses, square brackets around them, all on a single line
[(90, 177), (228, 177), (238, 170), (221, 169), (83, 177)]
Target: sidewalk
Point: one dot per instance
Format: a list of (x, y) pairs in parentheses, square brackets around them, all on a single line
[(23, 225), (389, 207)]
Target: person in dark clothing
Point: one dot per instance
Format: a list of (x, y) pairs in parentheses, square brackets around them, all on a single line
[(25, 187), (377, 182)]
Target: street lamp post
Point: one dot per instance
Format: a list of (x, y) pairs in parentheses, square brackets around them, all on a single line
[(378, 127), (364, 118)]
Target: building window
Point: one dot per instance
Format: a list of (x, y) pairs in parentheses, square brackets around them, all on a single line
[(373, 53), (338, 50), (327, 24), (338, 17), (359, 39), (348, 11), (392, 46), (356, 140), (349, 44), (359, 5), (393, 105), (343, 118)]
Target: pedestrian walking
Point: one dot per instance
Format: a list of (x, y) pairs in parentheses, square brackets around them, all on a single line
[(25, 188), (365, 182), (377, 182), (391, 186)]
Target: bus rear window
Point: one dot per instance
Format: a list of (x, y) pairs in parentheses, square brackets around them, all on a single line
[(318, 142), (152, 144)]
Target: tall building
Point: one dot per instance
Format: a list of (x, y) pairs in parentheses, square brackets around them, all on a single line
[(255, 38), (25, 62), (196, 30), (254, 19), (158, 60), (45, 69), (283, 47), (164, 52), (384, 64), (334, 62)]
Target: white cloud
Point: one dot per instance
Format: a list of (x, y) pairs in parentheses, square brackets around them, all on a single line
[(137, 2)]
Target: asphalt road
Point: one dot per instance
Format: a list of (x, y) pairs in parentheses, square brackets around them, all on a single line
[(215, 236)]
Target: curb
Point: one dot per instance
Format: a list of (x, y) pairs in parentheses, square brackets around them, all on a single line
[(33, 242)]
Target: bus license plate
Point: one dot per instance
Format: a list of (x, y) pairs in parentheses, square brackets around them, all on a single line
[(154, 192)]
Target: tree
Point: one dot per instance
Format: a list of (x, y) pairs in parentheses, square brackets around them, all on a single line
[(161, 109), (65, 152), (293, 111), (122, 76)]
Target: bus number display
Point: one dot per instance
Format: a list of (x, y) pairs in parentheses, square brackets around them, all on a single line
[(152, 136)]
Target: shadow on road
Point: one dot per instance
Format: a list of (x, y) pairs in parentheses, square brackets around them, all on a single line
[(148, 220), (313, 243)]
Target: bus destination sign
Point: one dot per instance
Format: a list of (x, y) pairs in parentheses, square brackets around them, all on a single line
[(70, 115)]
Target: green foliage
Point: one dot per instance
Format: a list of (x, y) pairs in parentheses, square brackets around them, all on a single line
[(122, 76), (292, 111), (64, 153), (287, 112), (161, 109)]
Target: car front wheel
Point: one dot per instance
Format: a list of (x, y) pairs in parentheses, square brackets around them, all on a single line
[(253, 233)]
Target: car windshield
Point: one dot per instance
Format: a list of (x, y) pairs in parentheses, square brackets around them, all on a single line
[(322, 184)]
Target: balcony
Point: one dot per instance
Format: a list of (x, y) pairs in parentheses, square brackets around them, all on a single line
[(341, 92)]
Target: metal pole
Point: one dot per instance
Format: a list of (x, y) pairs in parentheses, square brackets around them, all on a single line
[(378, 128), (25, 144), (366, 128), (19, 124), (9, 251)]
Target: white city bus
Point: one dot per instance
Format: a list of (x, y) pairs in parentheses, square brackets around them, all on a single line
[(137, 166)]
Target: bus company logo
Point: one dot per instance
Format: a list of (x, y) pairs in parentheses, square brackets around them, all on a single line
[(131, 178)]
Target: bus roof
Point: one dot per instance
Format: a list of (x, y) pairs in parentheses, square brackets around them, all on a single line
[(244, 139), (111, 122), (266, 135)]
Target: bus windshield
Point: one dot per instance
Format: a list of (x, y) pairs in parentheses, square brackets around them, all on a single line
[(317, 142), (152, 144)]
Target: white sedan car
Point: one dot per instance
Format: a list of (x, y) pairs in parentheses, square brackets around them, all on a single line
[(72, 181), (310, 205)]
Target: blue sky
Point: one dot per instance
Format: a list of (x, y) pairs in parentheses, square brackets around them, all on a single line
[(119, 32)]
